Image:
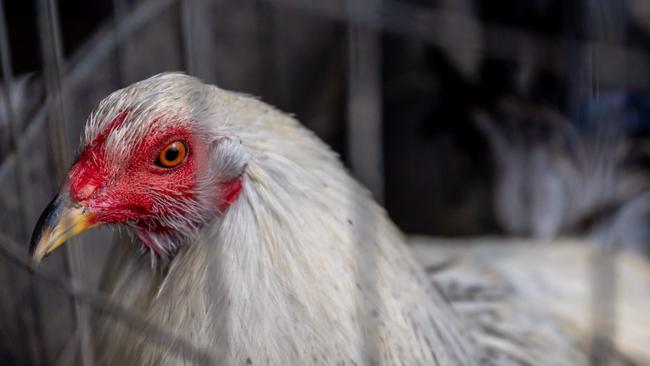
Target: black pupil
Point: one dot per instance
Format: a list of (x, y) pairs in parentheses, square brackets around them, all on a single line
[(172, 153)]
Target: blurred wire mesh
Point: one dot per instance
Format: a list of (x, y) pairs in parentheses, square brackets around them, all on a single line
[(464, 117)]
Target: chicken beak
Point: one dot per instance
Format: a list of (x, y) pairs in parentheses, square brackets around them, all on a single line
[(61, 220)]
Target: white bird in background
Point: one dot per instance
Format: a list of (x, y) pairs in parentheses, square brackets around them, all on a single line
[(271, 254)]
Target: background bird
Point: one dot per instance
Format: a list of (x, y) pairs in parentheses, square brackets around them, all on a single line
[(256, 246), (557, 178)]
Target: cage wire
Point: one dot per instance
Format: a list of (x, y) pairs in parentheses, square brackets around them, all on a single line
[(366, 22)]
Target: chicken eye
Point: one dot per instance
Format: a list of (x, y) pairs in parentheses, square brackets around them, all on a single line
[(172, 155)]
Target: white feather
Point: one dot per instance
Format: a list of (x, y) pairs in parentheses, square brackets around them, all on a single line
[(304, 268)]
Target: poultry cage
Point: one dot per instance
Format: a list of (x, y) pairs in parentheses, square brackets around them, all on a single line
[(374, 62)]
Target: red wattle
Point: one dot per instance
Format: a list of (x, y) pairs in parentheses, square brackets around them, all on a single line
[(229, 193)]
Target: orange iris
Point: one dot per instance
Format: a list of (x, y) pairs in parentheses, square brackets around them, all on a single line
[(172, 155)]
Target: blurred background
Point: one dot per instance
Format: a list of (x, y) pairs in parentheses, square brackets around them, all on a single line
[(464, 117)]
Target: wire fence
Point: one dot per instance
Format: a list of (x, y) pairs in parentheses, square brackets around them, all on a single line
[(366, 22)]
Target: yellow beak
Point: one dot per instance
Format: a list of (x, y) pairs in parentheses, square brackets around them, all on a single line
[(60, 221)]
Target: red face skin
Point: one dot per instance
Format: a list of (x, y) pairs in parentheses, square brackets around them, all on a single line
[(139, 191)]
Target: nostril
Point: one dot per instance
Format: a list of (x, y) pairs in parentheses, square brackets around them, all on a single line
[(85, 179), (84, 192)]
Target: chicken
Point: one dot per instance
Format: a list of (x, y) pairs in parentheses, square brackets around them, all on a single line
[(256, 247), (265, 251), (545, 303), (556, 178)]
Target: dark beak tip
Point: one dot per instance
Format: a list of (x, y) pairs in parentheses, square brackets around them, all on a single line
[(36, 236), (44, 222)]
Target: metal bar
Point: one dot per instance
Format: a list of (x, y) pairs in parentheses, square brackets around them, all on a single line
[(364, 134), (269, 53), (187, 35), (14, 123), (364, 147), (605, 20), (53, 64), (120, 11), (7, 77), (604, 290), (30, 327), (102, 305)]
